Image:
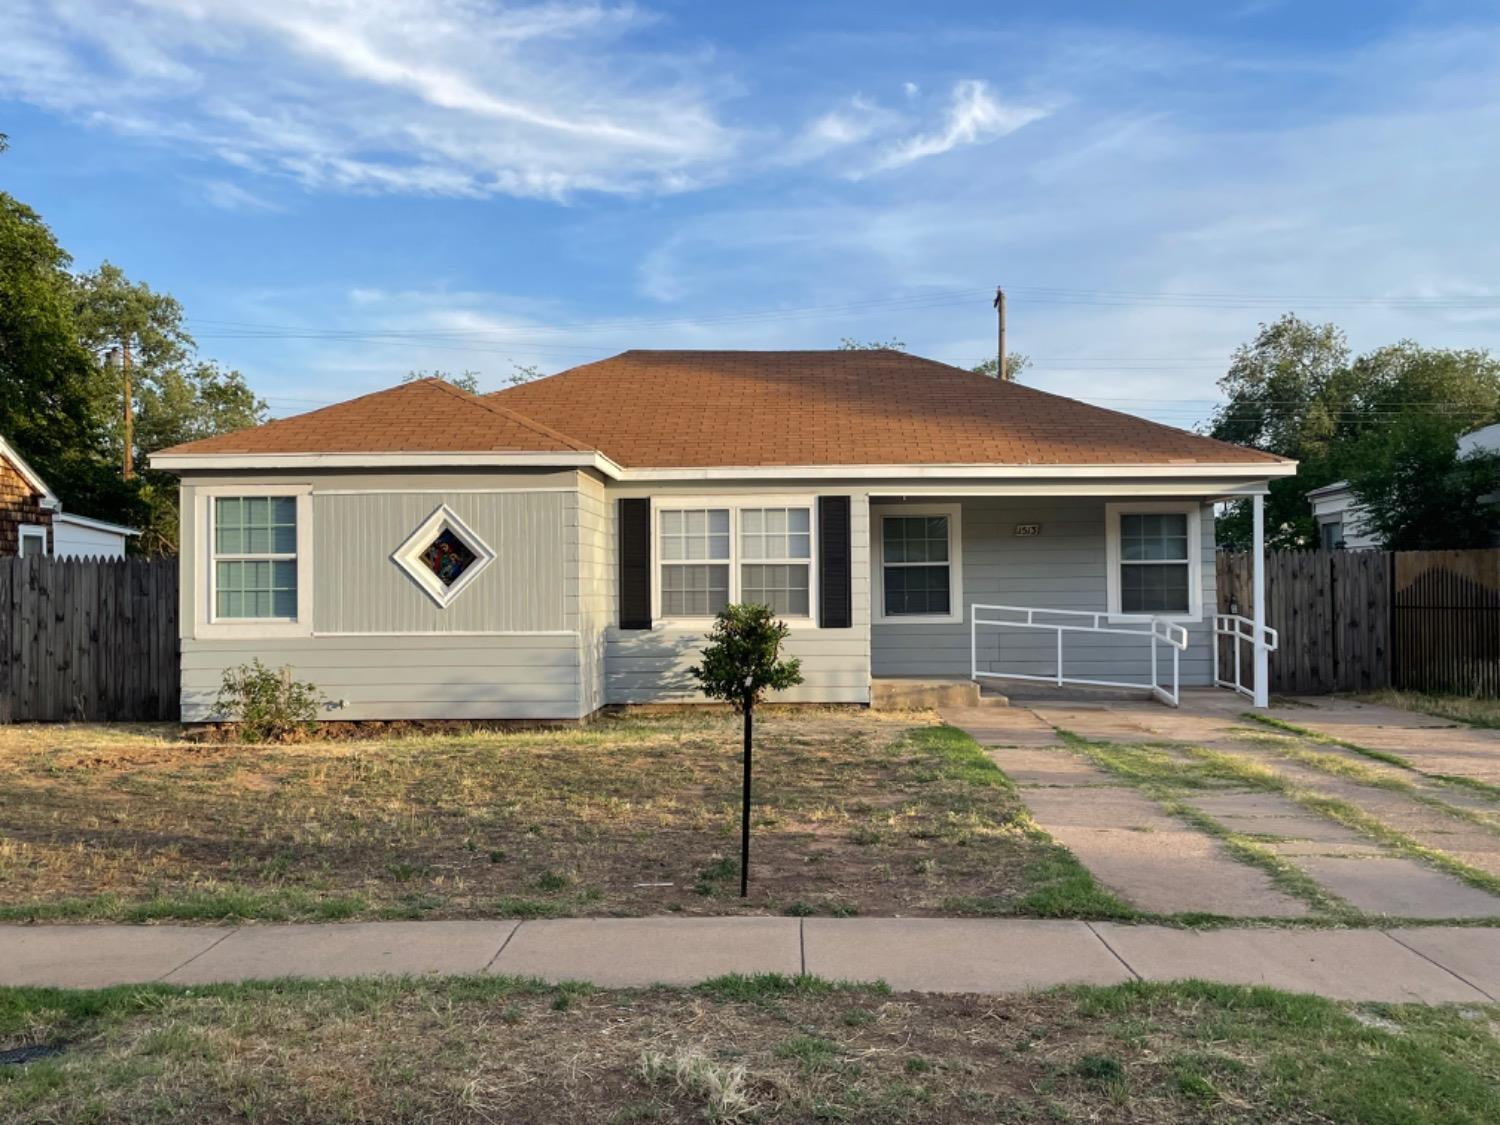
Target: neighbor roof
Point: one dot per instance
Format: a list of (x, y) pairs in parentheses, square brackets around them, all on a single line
[(423, 416), (673, 409), (722, 409)]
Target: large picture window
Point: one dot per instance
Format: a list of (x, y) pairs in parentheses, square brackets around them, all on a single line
[(714, 555), (919, 565), (1154, 561), (255, 557)]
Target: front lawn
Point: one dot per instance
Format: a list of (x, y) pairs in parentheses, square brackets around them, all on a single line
[(856, 812), (760, 1049)]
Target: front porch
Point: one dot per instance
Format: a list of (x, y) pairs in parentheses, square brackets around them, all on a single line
[(1110, 591)]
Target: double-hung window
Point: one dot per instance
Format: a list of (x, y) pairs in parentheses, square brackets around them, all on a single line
[(711, 556), (919, 565), (254, 558), (1154, 561)]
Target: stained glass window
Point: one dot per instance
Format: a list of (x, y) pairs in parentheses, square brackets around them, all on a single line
[(448, 557)]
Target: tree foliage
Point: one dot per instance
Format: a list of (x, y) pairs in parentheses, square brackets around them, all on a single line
[(1015, 363), (61, 392), (742, 660), (1297, 391)]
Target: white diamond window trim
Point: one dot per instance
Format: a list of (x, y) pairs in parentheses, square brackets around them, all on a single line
[(411, 555)]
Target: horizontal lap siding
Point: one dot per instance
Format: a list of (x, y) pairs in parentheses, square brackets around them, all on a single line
[(359, 589), (1062, 568), (413, 677), (651, 666)]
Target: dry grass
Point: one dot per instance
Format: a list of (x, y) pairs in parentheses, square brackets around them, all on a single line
[(764, 1049), (855, 813), (1460, 708)]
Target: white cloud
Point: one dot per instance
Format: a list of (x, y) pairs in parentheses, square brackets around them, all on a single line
[(974, 115), (445, 97), (227, 196)]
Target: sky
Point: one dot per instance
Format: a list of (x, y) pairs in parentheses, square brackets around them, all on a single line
[(342, 191)]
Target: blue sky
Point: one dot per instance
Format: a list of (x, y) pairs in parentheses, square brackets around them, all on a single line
[(345, 190)]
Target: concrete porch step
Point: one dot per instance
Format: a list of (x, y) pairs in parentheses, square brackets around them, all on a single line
[(913, 693), (1021, 691)]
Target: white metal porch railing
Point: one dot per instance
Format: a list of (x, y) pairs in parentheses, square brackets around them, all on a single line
[(1153, 630), (1242, 632)]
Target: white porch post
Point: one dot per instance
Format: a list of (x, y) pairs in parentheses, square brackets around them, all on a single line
[(1258, 564)]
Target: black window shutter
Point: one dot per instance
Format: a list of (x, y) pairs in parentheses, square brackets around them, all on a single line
[(635, 564), (835, 587)]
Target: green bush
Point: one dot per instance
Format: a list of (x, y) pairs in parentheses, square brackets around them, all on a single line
[(269, 705)]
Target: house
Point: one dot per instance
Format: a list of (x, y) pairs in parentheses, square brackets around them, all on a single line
[(1340, 519), (32, 520), (559, 546)]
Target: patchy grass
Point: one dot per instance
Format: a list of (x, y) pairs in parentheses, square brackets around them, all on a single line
[(1468, 710), (470, 1050), (855, 813)]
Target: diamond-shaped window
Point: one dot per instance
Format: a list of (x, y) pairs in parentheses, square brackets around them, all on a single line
[(443, 556)]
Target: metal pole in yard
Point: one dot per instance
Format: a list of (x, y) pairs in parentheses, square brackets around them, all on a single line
[(745, 809)]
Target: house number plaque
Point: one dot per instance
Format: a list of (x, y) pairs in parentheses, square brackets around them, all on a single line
[(1027, 529)]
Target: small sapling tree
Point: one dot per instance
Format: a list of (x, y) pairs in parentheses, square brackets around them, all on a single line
[(741, 663)]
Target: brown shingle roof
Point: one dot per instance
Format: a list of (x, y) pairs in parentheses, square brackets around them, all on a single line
[(677, 409), (425, 416)]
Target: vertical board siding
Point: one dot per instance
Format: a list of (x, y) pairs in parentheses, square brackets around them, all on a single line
[(358, 588), (1062, 568), (88, 639)]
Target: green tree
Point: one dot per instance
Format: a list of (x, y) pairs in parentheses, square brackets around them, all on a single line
[(464, 381), (127, 324), (181, 404), (1418, 493), (1015, 363), (49, 391), (742, 662)]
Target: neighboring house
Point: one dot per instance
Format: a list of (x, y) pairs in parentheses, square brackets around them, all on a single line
[(562, 545), (32, 520), (1341, 521)]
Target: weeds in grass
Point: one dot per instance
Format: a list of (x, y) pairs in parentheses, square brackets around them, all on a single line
[(722, 1088)]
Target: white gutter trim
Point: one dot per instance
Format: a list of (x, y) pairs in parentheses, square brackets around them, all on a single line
[(29, 475), (97, 525), (1242, 470), (256, 461)]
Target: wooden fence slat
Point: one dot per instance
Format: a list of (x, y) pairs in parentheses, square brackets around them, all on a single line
[(88, 639)]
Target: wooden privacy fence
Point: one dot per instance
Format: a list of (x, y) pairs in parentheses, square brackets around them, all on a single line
[(1362, 620), (88, 639)]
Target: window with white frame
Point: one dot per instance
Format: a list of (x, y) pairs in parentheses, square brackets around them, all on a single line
[(714, 555), (776, 559), (1154, 560), (255, 558), (919, 565), (33, 540)]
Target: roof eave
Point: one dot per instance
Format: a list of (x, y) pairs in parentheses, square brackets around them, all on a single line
[(218, 462), (1236, 470)]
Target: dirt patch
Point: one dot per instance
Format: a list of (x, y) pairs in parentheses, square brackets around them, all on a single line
[(854, 813)]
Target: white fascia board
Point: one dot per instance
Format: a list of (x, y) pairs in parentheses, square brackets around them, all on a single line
[(93, 524), (189, 462), (29, 475), (1238, 471)]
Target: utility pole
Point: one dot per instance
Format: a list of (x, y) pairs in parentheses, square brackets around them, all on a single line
[(1000, 311), (120, 356)]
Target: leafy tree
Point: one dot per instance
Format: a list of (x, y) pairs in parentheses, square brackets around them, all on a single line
[(1015, 363), (848, 344), (49, 393), (1419, 493), (181, 404), (740, 664), (127, 324), (464, 381), (1295, 391)]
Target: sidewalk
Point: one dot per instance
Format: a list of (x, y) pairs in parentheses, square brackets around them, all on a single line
[(1423, 964)]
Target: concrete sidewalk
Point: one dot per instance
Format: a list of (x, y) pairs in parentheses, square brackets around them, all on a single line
[(1429, 965)]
